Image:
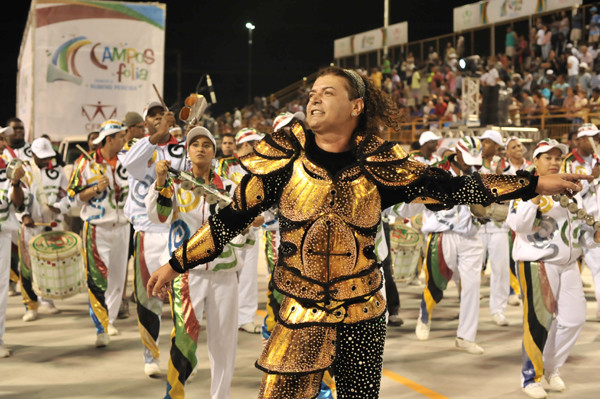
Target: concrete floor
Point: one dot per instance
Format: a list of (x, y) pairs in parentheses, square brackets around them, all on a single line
[(55, 357)]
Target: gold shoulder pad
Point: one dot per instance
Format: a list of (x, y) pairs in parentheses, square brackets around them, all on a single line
[(391, 166), (273, 153)]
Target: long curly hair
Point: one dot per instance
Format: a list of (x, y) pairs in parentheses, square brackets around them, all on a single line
[(379, 110)]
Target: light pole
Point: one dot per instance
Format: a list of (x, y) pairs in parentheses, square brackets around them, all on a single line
[(250, 28)]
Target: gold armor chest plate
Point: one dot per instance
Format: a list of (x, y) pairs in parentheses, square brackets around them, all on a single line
[(335, 222)]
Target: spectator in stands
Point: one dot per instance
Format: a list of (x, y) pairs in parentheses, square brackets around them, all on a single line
[(415, 85), (594, 30), (572, 68), (510, 42), (585, 78), (376, 76), (546, 42), (569, 103), (576, 26), (386, 67), (594, 105), (564, 24)]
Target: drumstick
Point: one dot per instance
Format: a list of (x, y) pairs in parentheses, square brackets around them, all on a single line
[(160, 98), (85, 153), (48, 224)]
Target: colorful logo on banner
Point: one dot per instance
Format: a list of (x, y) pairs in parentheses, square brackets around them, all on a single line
[(128, 64), (483, 17), (510, 7)]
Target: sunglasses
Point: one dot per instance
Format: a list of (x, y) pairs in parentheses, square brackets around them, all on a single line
[(195, 105)]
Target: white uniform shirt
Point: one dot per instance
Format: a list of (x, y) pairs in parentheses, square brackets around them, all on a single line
[(558, 237), (140, 161)]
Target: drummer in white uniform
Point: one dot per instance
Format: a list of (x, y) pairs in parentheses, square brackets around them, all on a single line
[(46, 204), (100, 186), (12, 193), (494, 235), (150, 239), (454, 251)]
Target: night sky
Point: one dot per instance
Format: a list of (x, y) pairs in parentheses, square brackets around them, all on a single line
[(292, 39)]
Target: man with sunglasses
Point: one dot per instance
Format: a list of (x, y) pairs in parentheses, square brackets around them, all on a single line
[(150, 239)]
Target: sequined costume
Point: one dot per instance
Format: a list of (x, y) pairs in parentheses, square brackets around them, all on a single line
[(327, 267)]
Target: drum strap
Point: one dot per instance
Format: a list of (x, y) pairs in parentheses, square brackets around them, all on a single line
[(36, 174)]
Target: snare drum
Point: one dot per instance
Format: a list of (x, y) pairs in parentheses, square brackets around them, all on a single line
[(406, 244), (57, 264)]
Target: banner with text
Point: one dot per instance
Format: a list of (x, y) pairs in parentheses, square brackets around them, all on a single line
[(91, 61), (496, 11), (395, 35)]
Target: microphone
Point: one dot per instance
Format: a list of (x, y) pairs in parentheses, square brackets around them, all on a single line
[(213, 97)]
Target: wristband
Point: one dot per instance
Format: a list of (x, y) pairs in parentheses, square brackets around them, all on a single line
[(17, 184)]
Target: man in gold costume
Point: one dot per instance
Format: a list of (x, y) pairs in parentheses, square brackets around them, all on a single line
[(330, 184)]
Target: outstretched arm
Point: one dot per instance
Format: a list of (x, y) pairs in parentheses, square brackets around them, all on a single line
[(253, 196)]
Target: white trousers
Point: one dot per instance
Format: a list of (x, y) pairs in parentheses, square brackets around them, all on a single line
[(215, 293), (111, 244), (464, 256), (155, 245), (565, 282), (592, 260), (248, 283), (497, 248), (5, 241)]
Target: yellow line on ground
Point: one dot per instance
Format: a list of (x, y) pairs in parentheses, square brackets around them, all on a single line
[(413, 385)]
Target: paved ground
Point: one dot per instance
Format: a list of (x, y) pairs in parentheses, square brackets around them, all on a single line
[(55, 357)]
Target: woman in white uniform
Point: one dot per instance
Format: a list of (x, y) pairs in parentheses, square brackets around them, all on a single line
[(549, 241)]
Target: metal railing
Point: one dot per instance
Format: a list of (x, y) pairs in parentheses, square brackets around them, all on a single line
[(553, 124)]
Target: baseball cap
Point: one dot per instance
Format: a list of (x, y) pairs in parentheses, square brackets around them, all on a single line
[(428, 136), (42, 148), (7, 131), (587, 129), (247, 134), (470, 148), (200, 131), (442, 149), (583, 65), (108, 128), (284, 118), (548, 144), (493, 135), (151, 105), (132, 119)]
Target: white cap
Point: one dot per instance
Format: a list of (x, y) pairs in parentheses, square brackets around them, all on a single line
[(493, 135), (8, 130), (42, 148), (428, 136), (151, 105), (548, 144), (247, 134), (583, 65), (442, 149), (202, 132), (108, 128), (470, 148), (587, 129)]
